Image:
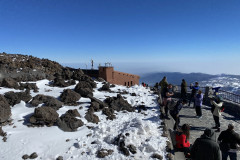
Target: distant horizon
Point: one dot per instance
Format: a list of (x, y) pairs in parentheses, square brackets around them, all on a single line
[(138, 36), (130, 67), (125, 68)]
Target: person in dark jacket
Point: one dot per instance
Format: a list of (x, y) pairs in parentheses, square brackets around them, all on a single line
[(183, 89), (175, 112), (163, 84), (195, 89), (229, 141), (206, 147), (198, 103)]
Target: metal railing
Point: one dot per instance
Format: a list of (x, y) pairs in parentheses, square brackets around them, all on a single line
[(229, 96), (178, 89), (224, 94)]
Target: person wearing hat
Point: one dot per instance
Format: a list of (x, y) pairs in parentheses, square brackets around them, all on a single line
[(206, 147), (217, 104), (229, 141)]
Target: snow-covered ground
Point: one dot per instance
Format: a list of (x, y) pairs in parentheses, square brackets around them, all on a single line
[(225, 82), (51, 142)]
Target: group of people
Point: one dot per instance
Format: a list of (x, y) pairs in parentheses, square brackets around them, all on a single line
[(205, 147), (196, 97), (144, 84)]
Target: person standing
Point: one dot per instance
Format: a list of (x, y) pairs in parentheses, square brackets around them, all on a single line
[(217, 103), (183, 89), (167, 94), (163, 84), (175, 112), (194, 88), (229, 141), (206, 147), (198, 103)]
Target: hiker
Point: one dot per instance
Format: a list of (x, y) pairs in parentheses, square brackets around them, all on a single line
[(216, 111), (182, 140), (183, 89), (206, 147), (167, 94), (198, 103), (175, 112), (194, 88), (229, 141), (163, 84)]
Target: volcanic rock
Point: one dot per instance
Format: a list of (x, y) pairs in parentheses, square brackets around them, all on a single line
[(5, 110), (16, 97), (84, 88), (101, 104), (109, 112), (104, 152), (47, 100), (44, 116), (91, 117), (30, 86), (132, 149), (95, 106), (105, 87), (69, 97), (33, 155), (67, 122), (59, 158), (157, 156), (119, 104), (10, 83)]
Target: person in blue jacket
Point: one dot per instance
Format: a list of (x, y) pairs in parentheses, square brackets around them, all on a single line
[(195, 89), (198, 103)]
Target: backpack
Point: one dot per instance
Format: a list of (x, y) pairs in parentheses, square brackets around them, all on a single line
[(172, 104), (222, 108)]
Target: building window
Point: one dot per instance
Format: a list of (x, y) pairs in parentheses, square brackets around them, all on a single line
[(131, 83), (128, 83), (125, 84)]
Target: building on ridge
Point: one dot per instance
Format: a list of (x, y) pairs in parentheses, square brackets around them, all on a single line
[(114, 77)]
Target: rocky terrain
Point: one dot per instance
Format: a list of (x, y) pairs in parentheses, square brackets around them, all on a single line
[(55, 112)]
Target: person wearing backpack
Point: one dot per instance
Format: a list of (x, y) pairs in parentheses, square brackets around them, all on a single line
[(198, 103), (229, 141), (174, 112), (217, 103)]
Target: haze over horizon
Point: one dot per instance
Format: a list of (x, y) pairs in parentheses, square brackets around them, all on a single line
[(135, 36)]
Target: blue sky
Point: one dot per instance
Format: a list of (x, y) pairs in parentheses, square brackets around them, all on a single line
[(135, 35)]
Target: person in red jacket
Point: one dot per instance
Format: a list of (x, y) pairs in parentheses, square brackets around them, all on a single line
[(182, 140)]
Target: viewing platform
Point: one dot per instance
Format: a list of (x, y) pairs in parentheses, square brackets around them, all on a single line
[(231, 115)]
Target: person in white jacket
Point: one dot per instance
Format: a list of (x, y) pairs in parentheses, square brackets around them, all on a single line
[(217, 103)]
